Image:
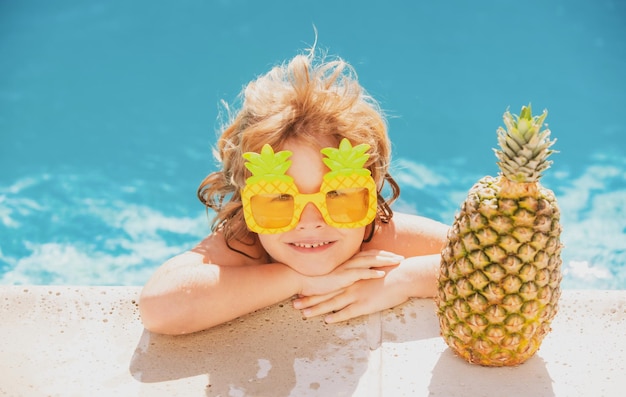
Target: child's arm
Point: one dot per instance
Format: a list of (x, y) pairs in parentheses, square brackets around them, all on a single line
[(420, 240), (413, 277), (410, 235), (186, 295), (191, 292)]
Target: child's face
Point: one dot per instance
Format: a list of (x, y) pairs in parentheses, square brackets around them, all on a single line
[(312, 247)]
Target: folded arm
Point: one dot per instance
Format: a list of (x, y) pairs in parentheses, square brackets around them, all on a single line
[(414, 277), (419, 240), (212, 283), (187, 295), (190, 293)]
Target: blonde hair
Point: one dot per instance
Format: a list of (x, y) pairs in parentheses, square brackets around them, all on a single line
[(304, 99)]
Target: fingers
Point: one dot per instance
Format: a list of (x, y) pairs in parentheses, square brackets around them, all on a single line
[(347, 313), (373, 258), (353, 289), (334, 304), (304, 302), (366, 265), (340, 308), (341, 305), (348, 277)]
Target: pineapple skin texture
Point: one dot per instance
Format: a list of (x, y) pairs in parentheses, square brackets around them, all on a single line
[(500, 273)]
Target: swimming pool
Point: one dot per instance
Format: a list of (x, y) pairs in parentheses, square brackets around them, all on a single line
[(108, 112)]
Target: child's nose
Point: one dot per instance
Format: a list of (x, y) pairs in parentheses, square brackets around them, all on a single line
[(311, 217)]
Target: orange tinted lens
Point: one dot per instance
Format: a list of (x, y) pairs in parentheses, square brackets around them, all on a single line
[(347, 205), (272, 211)]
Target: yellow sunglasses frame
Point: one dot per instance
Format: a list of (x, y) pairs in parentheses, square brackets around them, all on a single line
[(276, 182), (301, 200)]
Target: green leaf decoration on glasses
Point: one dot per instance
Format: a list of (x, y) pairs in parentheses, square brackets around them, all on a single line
[(346, 160), (268, 166)]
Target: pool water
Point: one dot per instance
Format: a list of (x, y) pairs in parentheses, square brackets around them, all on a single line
[(109, 110)]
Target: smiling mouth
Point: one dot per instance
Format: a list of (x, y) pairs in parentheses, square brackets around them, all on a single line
[(313, 245)]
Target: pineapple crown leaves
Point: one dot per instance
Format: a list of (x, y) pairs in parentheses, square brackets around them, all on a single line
[(524, 147), (267, 165), (346, 160)]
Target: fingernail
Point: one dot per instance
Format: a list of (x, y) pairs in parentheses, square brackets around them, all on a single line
[(306, 312), (392, 258), (297, 304)]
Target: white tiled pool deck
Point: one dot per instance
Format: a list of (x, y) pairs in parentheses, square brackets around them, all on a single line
[(89, 341)]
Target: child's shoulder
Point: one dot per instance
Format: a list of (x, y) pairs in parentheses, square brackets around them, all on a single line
[(215, 249), (409, 235), (411, 223)]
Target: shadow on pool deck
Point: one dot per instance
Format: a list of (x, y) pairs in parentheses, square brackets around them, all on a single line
[(270, 352), (452, 376)]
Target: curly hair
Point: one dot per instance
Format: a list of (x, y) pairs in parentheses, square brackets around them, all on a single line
[(304, 99)]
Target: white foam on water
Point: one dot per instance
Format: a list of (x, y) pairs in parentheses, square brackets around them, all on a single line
[(84, 238)]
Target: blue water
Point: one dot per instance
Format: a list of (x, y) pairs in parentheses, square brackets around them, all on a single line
[(108, 110)]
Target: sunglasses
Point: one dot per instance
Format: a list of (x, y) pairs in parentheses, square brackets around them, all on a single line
[(272, 203)]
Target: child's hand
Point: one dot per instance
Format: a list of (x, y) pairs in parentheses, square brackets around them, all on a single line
[(323, 294), (362, 266), (413, 277)]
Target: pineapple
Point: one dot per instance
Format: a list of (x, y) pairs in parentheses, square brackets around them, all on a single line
[(500, 273)]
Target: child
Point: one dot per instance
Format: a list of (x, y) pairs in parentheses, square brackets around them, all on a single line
[(299, 211)]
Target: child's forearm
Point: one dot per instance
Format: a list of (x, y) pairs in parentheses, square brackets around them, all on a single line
[(419, 274), (187, 297), (414, 277)]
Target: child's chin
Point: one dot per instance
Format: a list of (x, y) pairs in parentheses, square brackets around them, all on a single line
[(313, 269)]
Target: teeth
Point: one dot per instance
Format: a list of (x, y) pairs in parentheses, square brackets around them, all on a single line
[(314, 245)]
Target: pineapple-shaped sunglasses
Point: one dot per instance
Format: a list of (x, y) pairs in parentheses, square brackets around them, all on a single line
[(272, 203)]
